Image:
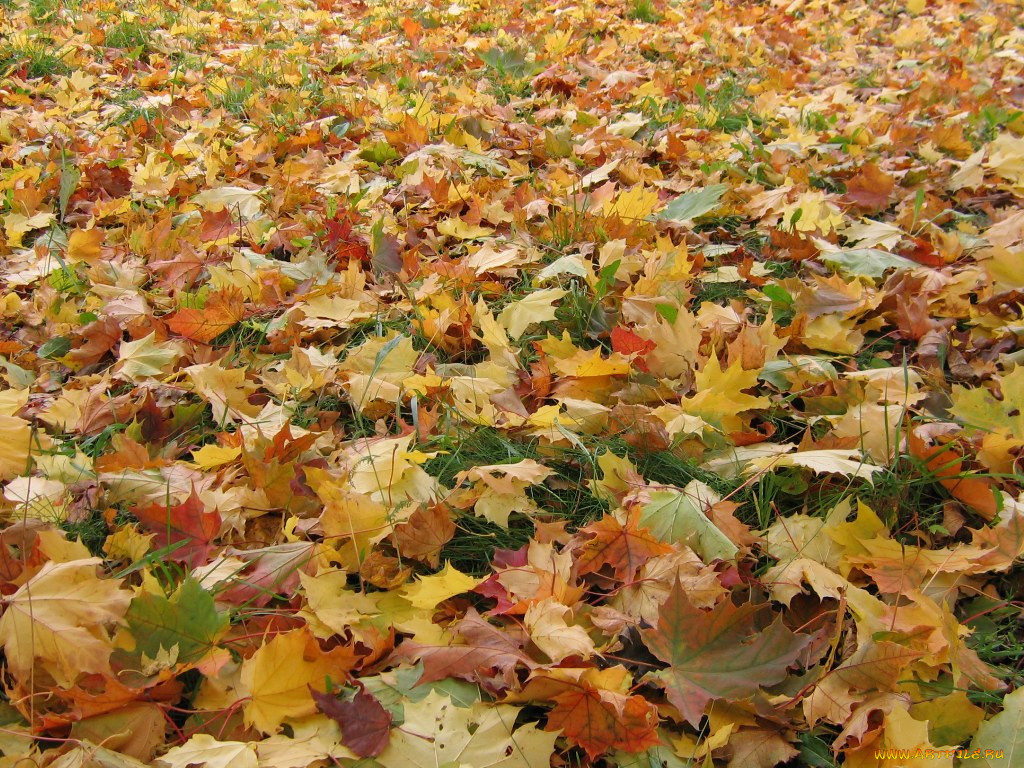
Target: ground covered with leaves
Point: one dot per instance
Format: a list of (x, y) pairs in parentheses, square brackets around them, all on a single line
[(601, 383)]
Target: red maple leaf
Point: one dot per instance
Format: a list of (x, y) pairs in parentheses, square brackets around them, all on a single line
[(626, 342), (187, 525)]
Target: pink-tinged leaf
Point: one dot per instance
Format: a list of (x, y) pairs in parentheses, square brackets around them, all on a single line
[(365, 724), (484, 649)]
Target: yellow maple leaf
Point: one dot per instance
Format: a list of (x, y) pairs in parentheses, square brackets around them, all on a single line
[(16, 225), (210, 456), (387, 471), (720, 397), (226, 389), (546, 621), (460, 229), (278, 678), (153, 178), (331, 607), (15, 446), (636, 203), (904, 744), (428, 591), (203, 749), (811, 211), (351, 521), (59, 620), (84, 245)]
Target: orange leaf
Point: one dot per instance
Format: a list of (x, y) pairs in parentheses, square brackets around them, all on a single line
[(222, 312), (870, 189), (947, 462), (623, 545), (600, 720)]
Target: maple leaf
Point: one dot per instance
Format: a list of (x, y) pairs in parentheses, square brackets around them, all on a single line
[(280, 676), (84, 245), (136, 730), (424, 534), (203, 749), (870, 189), (223, 311), (720, 397), (550, 631), (535, 307), (1003, 733), (59, 618), (593, 708), (843, 462), (678, 516), (979, 408), (16, 446), (617, 540), (873, 666), (482, 647), (365, 724), (187, 624), (903, 744), (436, 733), (696, 202), (243, 203), (599, 720), (428, 591), (717, 654), (145, 358), (188, 525)]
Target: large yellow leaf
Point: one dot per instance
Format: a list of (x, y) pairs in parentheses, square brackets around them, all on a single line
[(428, 591), (720, 397), (278, 678), (15, 444), (59, 619)]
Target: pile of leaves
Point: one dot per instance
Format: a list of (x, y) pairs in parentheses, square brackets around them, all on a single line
[(511, 384)]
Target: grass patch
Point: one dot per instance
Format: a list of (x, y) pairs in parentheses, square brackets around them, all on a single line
[(234, 97), (564, 495), (644, 11), (33, 61), (43, 11), (998, 632), (128, 35), (91, 531)]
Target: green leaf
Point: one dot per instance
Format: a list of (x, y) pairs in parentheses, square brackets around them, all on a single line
[(1000, 741), (188, 620), (668, 311), (778, 295), (678, 516), (869, 262), (815, 752), (69, 177), (717, 654), (694, 203), (980, 409), (56, 347)]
